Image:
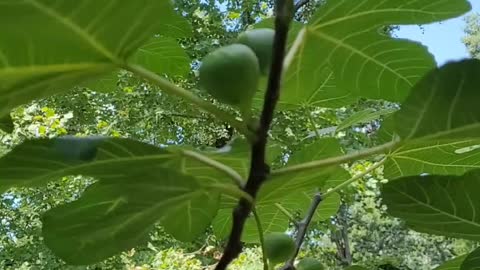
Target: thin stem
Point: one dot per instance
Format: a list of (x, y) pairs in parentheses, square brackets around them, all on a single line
[(173, 89), (302, 230), (259, 170), (337, 160), (286, 213), (354, 179), (262, 241), (233, 191), (216, 165), (314, 124)]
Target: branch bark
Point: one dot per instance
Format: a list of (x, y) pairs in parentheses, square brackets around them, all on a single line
[(300, 4), (259, 170), (302, 230)]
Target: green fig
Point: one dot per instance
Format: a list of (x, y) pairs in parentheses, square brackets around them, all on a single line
[(231, 75), (261, 42), (279, 247), (310, 264)]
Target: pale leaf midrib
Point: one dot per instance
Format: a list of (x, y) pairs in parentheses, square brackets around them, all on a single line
[(50, 68), (71, 169)]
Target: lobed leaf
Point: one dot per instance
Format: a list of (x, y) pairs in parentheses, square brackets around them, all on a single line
[(115, 216), (49, 46), (343, 54)]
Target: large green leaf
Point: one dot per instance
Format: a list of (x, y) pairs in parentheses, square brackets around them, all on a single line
[(443, 157), (163, 55), (444, 104), (444, 205), (343, 53), (472, 261), (453, 264), (113, 216), (36, 162), (440, 123), (49, 46), (139, 185)]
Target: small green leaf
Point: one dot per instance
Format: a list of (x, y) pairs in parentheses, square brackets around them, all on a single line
[(443, 205), (114, 216), (328, 207), (453, 264), (472, 261)]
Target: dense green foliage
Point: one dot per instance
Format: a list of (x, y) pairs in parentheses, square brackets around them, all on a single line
[(152, 167)]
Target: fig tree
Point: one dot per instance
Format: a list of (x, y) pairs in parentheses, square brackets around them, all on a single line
[(261, 42), (279, 247), (310, 264), (231, 74)]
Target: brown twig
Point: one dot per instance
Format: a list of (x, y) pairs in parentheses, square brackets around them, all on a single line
[(259, 170), (302, 230)]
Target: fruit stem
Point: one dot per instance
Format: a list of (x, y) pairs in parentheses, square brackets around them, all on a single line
[(262, 240), (175, 90)]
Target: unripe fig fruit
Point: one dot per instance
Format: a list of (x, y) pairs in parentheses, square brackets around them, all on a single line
[(231, 74), (310, 264), (279, 247), (261, 42)]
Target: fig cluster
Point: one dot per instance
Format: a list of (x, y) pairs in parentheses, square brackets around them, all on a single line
[(231, 73)]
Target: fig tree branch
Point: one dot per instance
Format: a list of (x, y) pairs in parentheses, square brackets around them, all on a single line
[(300, 4), (259, 170)]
